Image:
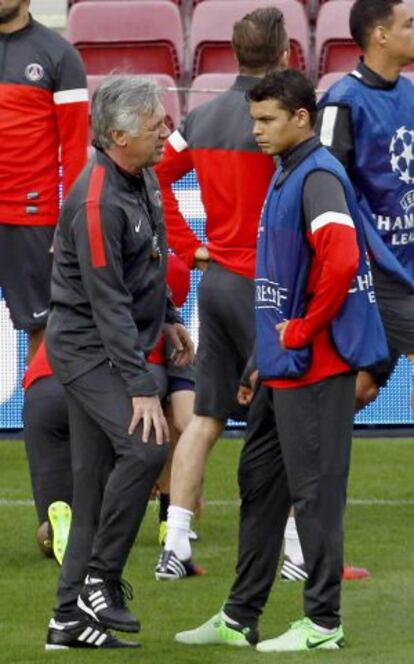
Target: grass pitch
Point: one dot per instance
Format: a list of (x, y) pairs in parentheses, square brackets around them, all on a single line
[(377, 613)]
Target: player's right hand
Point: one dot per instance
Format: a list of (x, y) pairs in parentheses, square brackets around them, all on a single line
[(245, 392), (201, 258), (148, 409)]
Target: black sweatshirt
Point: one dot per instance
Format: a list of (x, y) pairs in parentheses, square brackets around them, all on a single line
[(109, 295)]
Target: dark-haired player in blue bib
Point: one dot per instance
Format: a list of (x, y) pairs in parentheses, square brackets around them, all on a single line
[(367, 121)]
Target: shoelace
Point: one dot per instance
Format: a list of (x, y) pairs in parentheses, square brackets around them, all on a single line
[(120, 591)]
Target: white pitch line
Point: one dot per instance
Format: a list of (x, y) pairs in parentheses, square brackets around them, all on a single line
[(4, 502)]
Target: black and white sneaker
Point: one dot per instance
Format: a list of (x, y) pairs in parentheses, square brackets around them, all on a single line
[(105, 602), (291, 571), (171, 568), (83, 633)]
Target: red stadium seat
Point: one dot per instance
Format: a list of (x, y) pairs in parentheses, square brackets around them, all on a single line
[(335, 50), (131, 36), (327, 80), (212, 27), (169, 99), (207, 86)]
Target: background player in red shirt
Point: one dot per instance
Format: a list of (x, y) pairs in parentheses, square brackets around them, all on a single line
[(233, 175), (44, 126)]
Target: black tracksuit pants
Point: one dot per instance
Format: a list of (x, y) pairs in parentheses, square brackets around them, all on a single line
[(46, 436), (307, 466), (113, 474)]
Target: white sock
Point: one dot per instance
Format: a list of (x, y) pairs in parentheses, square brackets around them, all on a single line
[(178, 532), (293, 548)]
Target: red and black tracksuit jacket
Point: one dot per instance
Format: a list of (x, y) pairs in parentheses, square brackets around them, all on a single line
[(233, 174), (43, 123), (108, 292)]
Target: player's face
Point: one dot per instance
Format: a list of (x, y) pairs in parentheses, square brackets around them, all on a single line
[(274, 128), (400, 35), (147, 148), (11, 9)]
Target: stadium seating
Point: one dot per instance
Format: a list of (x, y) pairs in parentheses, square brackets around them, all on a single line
[(170, 98), (132, 36), (335, 50), (211, 31), (327, 80), (207, 86)]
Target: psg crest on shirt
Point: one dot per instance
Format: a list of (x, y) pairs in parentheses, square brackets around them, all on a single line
[(34, 72)]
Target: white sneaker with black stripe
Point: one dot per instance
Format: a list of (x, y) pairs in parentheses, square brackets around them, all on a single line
[(171, 568), (105, 602), (291, 571), (83, 633)]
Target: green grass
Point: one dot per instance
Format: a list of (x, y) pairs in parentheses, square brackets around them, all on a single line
[(377, 613)]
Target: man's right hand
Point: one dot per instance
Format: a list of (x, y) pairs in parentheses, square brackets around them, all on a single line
[(148, 409), (201, 258), (245, 393)]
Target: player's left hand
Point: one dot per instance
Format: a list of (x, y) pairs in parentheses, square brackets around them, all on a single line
[(281, 328), (183, 347)]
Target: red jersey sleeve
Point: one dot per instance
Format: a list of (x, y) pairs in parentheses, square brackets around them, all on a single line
[(175, 164), (334, 266), (71, 103)]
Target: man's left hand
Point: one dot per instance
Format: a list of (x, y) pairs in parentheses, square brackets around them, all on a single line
[(183, 347), (281, 328)]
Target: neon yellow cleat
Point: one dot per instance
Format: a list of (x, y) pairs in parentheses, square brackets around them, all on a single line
[(60, 516)]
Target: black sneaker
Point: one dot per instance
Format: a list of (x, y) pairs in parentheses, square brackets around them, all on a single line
[(171, 568), (105, 602), (83, 633)]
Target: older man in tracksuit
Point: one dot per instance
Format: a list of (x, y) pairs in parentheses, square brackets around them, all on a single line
[(109, 306)]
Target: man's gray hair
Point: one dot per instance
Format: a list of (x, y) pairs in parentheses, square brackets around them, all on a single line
[(119, 102)]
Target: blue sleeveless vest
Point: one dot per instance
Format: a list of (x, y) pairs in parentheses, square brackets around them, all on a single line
[(283, 262), (383, 172)]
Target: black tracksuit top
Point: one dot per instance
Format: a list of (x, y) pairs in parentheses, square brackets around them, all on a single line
[(108, 293)]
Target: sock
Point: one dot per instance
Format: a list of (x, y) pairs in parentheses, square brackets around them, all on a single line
[(293, 548), (164, 505), (178, 530)]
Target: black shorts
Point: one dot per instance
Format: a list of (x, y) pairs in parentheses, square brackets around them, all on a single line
[(226, 338), (172, 379), (396, 305), (25, 269)]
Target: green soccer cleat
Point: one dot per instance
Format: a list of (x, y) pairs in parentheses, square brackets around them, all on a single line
[(162, 533), (60, 516), (303, 635), (217, 631)]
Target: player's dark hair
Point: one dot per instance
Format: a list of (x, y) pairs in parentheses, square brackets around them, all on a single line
[(260, 38), (290, 88), (366, 15)]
